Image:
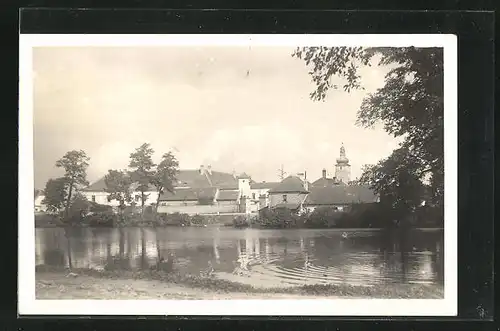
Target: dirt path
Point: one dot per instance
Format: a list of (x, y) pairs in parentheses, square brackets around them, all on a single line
[(55, 286)]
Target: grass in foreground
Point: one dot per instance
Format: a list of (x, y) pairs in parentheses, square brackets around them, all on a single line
[(389, 291)]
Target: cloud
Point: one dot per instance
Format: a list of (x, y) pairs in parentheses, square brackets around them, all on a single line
[(108, 101)]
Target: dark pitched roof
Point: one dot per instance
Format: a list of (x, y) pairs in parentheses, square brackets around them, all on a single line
[(100, 186), (223, 180), (227, 195), (189, 194), (244, 176), (264, 185), (192, 178), (340, 194), (289, 184), (187, 178), (97, 186), (324, 182)]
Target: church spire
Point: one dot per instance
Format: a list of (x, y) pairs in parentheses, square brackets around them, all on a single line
[(342, 150), (342, 159), (343, 168)]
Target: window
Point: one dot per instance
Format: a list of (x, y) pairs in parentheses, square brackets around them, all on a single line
[(93, 198), (284, 197), (253, 196)]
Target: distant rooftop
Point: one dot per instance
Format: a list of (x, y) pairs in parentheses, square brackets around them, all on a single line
[(290, 184), (193, 178), (340, 194), (264, 185)]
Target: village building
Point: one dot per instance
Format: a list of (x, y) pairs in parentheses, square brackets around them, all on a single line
[(260, 194), (39, 205), (197, 191), (323, 181), (297, 194), (339, 197), (290, 193)]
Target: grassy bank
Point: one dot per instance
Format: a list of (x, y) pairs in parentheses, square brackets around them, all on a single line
[(219, 286), (56, 286)]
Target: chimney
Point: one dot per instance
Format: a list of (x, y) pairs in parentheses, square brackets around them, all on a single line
[(202, 169), (209, 169), (324, 173)]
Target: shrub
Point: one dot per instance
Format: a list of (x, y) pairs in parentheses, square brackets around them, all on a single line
[(324, 217), (197, 220), (280, 218), (43, 220), (176, 219), (240, 222), (101, 219)]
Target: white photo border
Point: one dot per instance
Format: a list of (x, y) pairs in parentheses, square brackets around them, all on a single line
[(27, 303)]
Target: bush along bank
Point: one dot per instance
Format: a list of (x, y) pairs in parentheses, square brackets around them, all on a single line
[(357, 216), (105, 216)]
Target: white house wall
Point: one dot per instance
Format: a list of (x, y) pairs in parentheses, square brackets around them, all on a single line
[(311, 208), (102, 198), (193, 208)]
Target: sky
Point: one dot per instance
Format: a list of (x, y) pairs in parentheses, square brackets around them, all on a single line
[(237, 109)]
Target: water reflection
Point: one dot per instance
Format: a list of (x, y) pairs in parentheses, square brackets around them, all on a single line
[(285, 257)]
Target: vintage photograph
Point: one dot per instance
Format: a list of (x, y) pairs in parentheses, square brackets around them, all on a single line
[(246, 171)]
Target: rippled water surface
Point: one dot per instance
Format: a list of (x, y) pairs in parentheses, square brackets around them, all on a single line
[(275, 257)]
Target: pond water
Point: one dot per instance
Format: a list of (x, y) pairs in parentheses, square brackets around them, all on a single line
[(275, 257)]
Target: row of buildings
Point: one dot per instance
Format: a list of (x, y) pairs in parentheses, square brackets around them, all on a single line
[(206, 191)]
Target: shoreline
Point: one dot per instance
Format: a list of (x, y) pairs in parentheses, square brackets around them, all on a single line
[(52, 283), (54, 226)]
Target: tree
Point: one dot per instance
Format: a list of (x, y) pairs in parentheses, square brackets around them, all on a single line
[(410, 104), (118, 185), (142, 171), (55, 194), (396, 179), (78, 208), (165, 176), (75, 164)]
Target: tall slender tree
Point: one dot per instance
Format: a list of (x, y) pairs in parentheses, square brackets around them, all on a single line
[(75, 164), (118, 185), (55, 194), (142, 171), (165, 176)]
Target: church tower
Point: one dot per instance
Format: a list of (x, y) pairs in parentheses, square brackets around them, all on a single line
[(343, 168)]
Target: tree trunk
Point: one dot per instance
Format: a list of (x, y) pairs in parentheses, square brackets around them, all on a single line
[(68, 244), (157, 203), (68, 200), (121, 243), (143, 249), (142, 206)]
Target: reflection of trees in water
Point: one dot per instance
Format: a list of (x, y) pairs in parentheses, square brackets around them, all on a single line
[(144, 263), (68, 246), (437, 261), (54, 257), (135, 248)]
